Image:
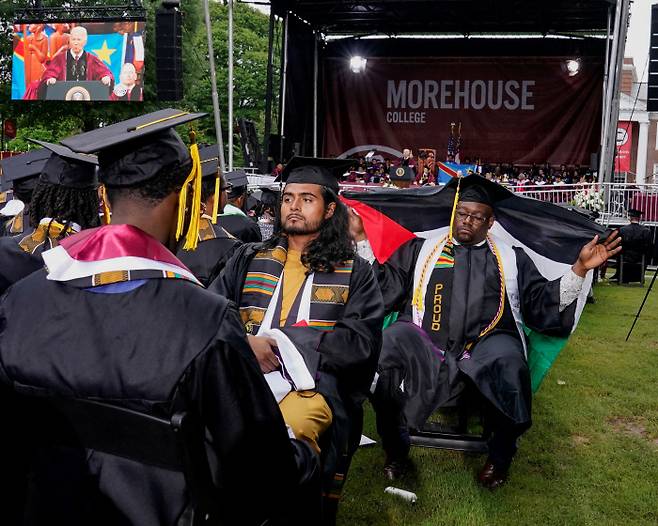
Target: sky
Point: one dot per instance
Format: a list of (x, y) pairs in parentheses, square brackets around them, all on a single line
[(637, 40)]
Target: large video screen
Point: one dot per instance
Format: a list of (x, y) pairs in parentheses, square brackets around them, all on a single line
[(79, 61)]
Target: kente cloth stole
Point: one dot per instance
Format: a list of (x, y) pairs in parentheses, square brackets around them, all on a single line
[(120, 276), (112, 254), (206, 230), (46, 235), (17, 225), (329, 291), (438, 294)]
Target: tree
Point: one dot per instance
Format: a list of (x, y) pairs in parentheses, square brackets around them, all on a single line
[(50, 120)]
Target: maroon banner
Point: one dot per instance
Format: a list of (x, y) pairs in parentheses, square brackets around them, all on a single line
[(514, 110), (624, 146)]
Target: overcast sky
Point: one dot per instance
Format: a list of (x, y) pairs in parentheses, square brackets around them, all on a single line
[(637, 43)]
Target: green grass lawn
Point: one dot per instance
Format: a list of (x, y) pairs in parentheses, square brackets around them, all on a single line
[(591, 456)]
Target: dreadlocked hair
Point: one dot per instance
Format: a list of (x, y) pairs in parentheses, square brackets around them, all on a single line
[(152, 191), (65, 205), (333, 246)]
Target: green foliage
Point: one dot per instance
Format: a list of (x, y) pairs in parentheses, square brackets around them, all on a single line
[(55, 120), (591, 457)]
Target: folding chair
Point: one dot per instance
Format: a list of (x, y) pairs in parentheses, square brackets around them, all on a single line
[(456, 434), (621, 270), (175, 444)]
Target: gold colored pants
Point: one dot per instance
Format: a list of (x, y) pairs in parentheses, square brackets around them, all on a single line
[(308, 415)]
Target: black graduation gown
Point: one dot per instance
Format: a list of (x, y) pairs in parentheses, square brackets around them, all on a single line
[(636, 240), (244, 228), (15, 263), (210, 256), (497, 365), (343, 361), (165, 346)]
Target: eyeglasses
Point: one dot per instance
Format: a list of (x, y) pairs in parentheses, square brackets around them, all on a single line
[(463, 216)]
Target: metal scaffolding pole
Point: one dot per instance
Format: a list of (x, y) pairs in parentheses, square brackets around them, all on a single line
[(230, 85), (269, 90), (315, 94), (213, 83), (604, 102), (615, 70), (282, 98)]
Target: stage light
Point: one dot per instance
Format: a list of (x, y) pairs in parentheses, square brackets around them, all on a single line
[(573, 67), (358, 64)]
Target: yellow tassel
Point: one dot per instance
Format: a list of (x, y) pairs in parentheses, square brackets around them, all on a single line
[(417, 299), (194, 179), (215, 206), (105, 206), (454, 207)]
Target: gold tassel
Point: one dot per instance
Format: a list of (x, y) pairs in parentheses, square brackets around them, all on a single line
[(454, 207), (215, 206), (106, 207), (417, 298), (194, 179)]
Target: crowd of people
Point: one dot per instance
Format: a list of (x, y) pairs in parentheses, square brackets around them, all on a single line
[(375, 169), (172, 299)]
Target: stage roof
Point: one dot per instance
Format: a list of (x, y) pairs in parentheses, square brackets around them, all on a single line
[(450, 16)]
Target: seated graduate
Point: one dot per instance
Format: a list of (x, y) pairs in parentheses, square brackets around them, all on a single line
[(64, 202), (20, 173), (463, 297), (234, 219), (313, 313), (215, 245), (121, 320)]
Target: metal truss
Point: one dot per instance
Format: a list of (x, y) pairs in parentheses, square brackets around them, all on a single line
[(132, 11)]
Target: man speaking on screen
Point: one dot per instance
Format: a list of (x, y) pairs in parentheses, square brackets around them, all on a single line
[(74, 64)]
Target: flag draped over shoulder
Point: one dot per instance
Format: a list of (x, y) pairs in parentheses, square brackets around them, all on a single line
[(552, 237)]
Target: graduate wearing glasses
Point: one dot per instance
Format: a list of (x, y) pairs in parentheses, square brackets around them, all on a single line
[(464, 296)]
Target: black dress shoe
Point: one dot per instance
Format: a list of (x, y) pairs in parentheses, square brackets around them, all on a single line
[(491, 477), (395, 469)]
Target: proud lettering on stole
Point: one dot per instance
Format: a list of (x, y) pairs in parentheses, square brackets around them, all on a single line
[(436, 310)]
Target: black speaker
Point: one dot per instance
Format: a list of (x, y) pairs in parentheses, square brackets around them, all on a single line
[(249, 140), (169, 52), (652, 94), (274, 147)]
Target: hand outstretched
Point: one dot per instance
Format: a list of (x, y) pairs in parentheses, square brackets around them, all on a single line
[(594, 254)]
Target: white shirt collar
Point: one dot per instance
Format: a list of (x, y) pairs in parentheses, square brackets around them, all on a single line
[(455, 242)]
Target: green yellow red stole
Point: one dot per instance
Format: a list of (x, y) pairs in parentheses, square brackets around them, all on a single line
[(329, 291)]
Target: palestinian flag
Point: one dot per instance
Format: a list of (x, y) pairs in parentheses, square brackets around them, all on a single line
[(551, 235)]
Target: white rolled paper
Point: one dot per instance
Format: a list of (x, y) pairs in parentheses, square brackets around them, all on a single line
[(403, 494)]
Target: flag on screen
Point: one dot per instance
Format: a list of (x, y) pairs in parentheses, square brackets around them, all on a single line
[(109, 49), (18, 68)]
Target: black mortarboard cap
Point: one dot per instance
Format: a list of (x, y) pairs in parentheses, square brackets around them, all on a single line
[(209, 160), (67, 168), (633, 212), (23, 169), (477, 189), (269, 197), (237, 178), (315, 170), (137, 149)]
